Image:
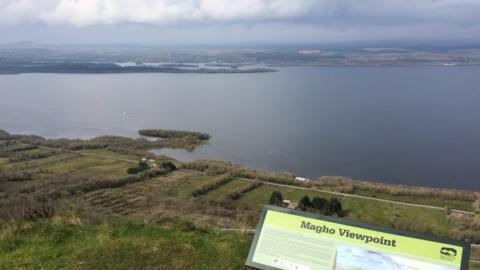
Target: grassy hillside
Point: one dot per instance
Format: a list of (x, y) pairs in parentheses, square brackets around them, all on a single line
[(58, 244), (54, 244), (134, 224)]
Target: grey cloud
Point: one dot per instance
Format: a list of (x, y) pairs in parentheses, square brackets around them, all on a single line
[(92, 12), (244, 20)]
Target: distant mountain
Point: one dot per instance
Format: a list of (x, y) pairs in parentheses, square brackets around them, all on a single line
[(22, 45)]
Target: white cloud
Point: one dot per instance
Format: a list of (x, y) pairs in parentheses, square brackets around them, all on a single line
[(253, 9), (12, 12), (91, 12)]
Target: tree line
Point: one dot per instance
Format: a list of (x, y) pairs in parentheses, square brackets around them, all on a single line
[(328, 207)]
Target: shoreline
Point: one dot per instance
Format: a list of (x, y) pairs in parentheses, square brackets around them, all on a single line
[(189, 143), (111, 174), (270, 69), (112, 68)]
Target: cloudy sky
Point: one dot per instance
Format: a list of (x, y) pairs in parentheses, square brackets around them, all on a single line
[(170, 22)]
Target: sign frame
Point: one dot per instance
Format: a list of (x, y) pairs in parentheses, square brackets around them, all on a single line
[(465, 245)]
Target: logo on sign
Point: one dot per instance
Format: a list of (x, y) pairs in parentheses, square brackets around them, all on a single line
[(448, 253)]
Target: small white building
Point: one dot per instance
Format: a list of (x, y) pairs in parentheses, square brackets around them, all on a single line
[(302, 179), (289, 204)]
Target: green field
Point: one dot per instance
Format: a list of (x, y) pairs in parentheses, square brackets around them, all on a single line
[(38, 163), (107, 153), (84, 165), (373, 212)]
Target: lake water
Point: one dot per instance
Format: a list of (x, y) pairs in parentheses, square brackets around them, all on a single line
[(415, 125)]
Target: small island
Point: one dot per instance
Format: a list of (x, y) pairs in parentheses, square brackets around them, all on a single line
[(169, 133), (102, 68)]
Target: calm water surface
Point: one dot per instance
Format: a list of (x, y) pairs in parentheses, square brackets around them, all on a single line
[(418, 125)]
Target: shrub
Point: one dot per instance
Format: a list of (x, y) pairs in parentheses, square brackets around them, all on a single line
[(102, 184), (211, 167), (276, 198), (347, 185), (220, 181), (305, 203), (169, 166), (26, 210), (319, 203), (237, 194), (142, 166), (334, 207), (85, 146), (221, 167), (476, 206), (234, 195), (22, 147), (16, 176), (29, 156), (251, 186)]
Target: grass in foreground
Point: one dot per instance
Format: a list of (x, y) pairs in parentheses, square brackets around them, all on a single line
[(53, 244), (56, 244)]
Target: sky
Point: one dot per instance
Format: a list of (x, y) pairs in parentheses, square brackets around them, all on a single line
[(209, 22)]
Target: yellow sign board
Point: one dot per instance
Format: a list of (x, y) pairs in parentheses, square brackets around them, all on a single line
[(293, 240)]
